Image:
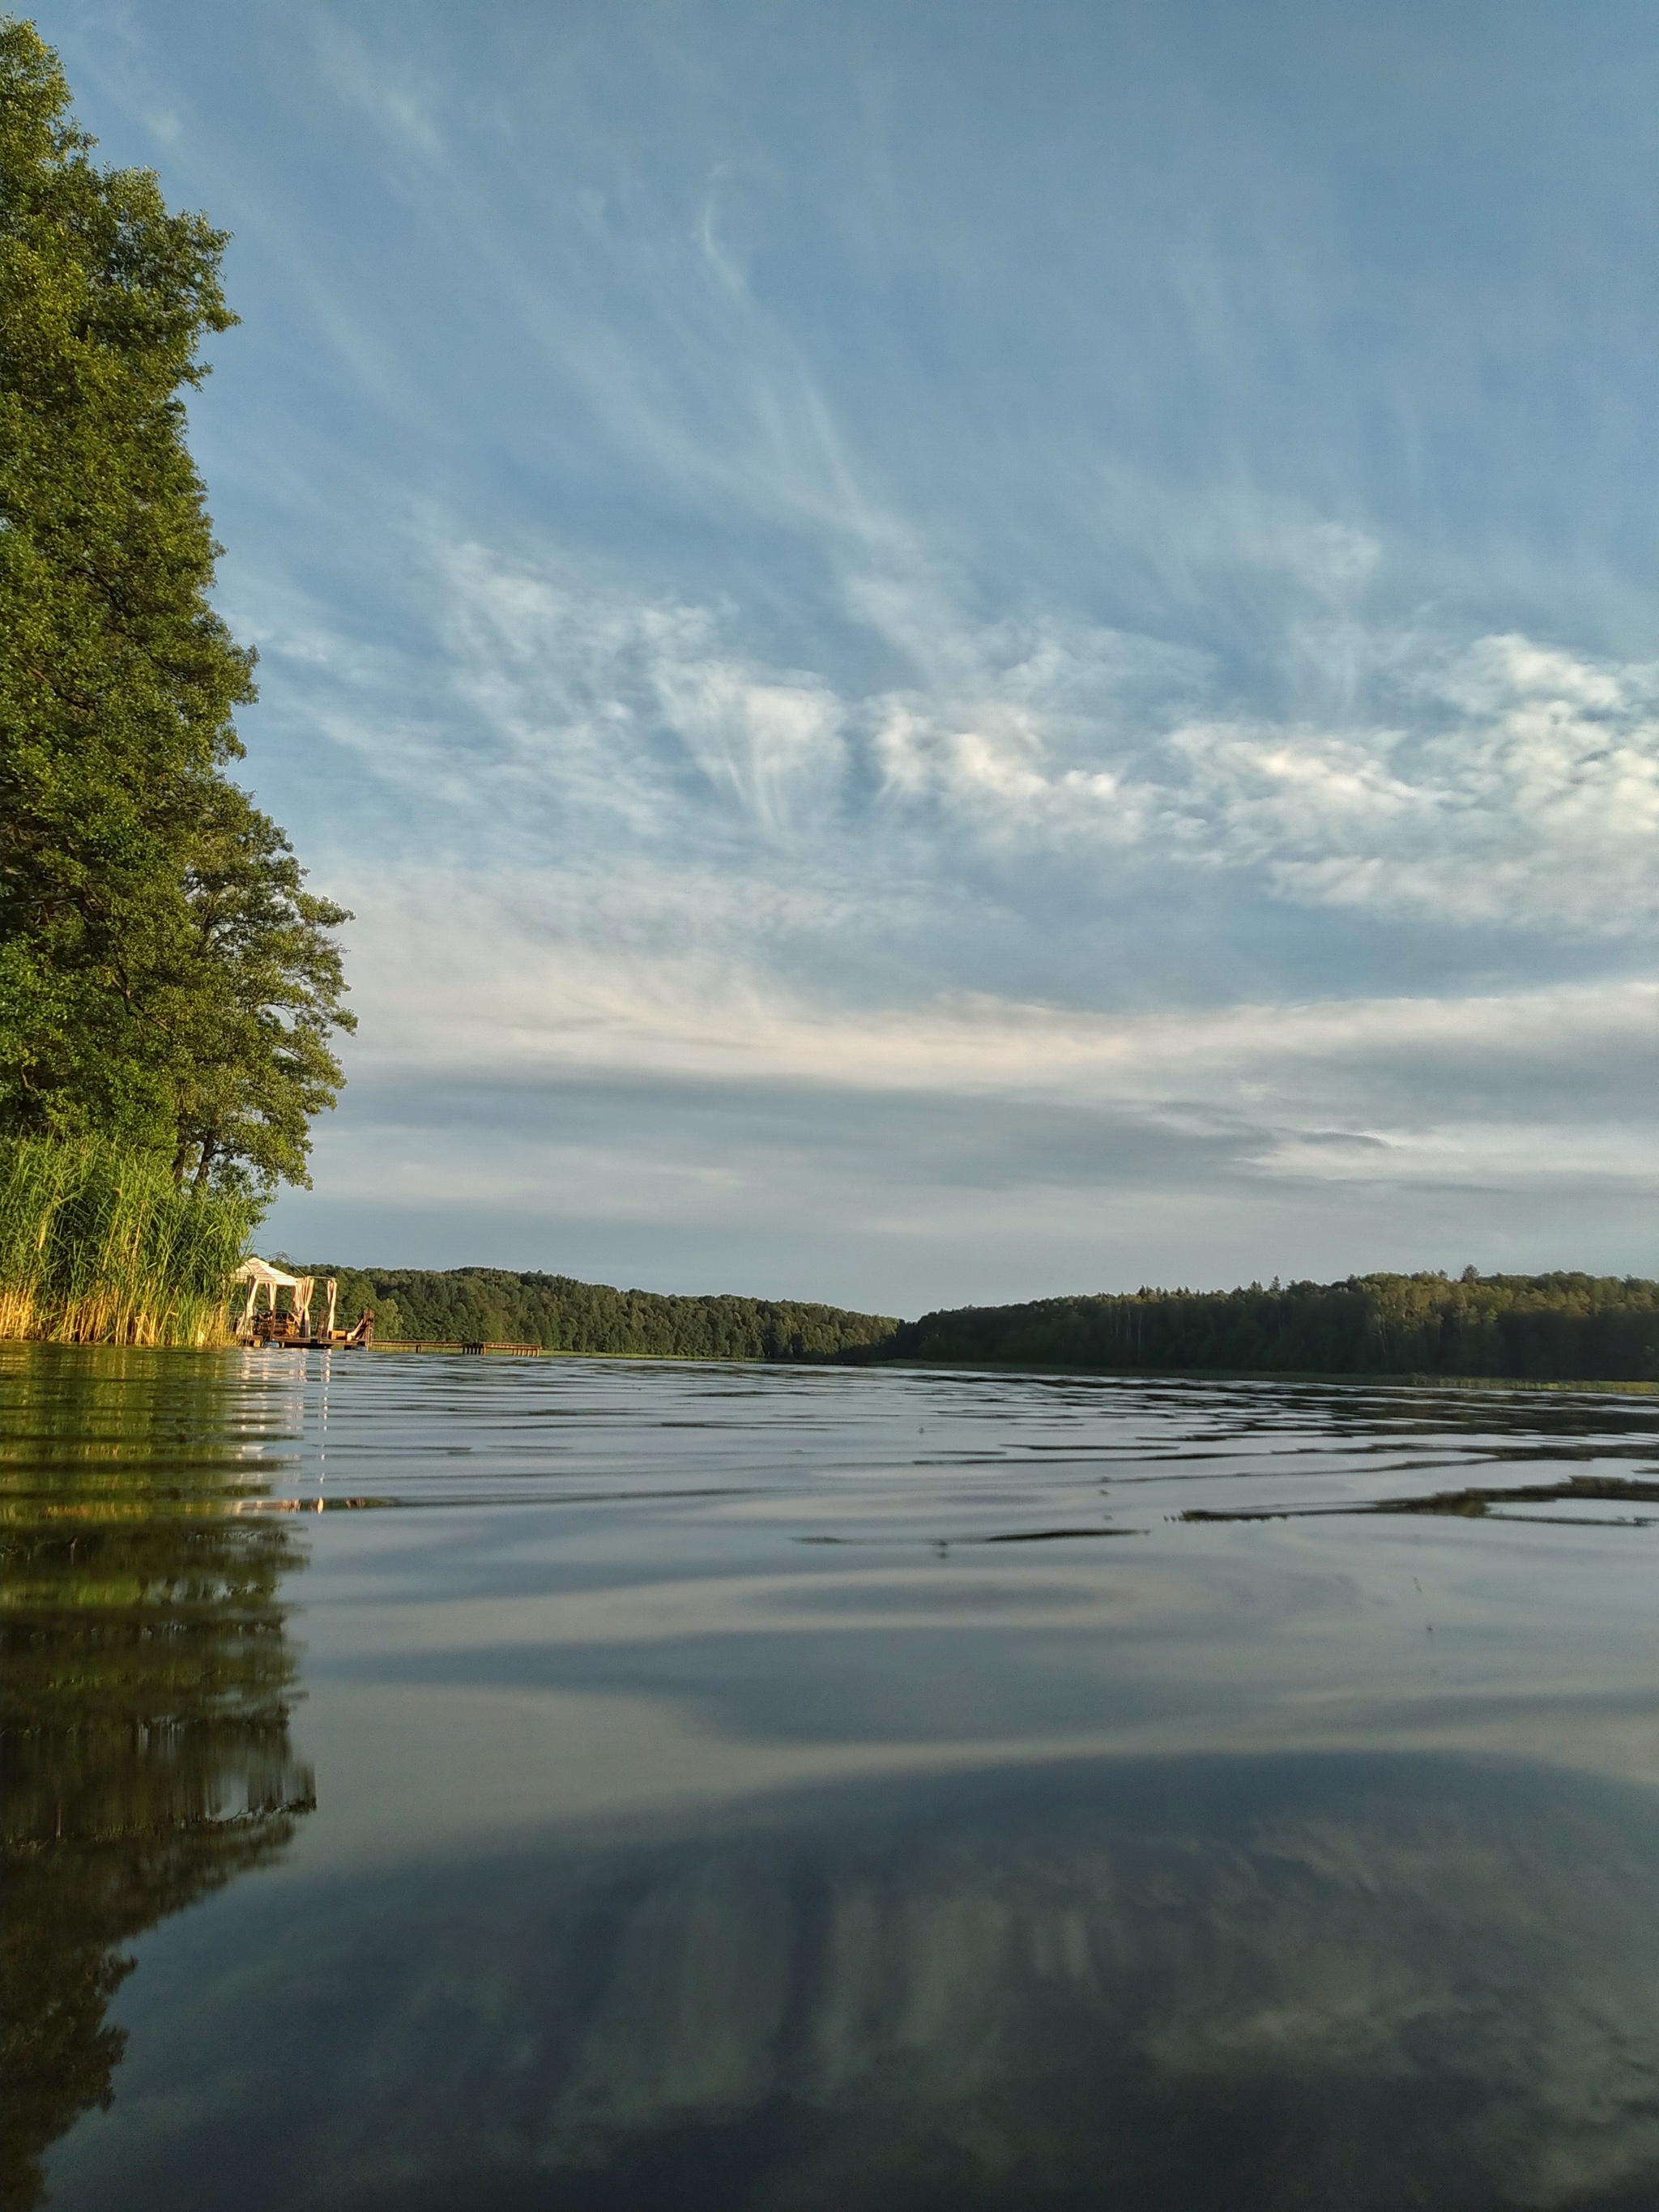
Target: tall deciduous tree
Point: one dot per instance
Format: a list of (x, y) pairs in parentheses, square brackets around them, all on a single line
[(164, 975)]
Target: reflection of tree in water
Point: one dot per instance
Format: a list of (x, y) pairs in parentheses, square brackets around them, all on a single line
[(143, 1703)]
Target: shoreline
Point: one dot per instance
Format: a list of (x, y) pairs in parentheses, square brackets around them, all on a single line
[(1373, 1377)]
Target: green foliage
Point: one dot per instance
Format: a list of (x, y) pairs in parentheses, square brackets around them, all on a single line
[(164, 976), (99, 1244), (1559, 1327), (487, 1305), (255, 994)]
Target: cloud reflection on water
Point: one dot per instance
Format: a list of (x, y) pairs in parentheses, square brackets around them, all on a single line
[(666, 1859), (1371, 1982)]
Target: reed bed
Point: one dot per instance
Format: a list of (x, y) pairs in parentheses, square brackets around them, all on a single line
[(98, 1245)]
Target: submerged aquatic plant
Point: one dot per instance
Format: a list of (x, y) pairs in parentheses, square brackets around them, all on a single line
[(99, 1245)]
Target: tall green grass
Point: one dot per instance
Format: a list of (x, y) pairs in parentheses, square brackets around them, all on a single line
[(98, 1245)]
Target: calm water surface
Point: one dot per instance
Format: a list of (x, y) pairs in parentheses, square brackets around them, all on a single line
[(439, 1783)]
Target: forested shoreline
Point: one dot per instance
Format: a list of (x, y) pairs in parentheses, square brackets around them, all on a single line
[(1562, 1326), (1554, 1328), (493, 1305)]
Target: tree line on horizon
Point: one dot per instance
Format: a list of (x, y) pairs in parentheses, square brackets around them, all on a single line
[(494, 1305), (1562, 1326)]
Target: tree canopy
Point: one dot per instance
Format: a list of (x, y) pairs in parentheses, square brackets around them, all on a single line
[(165, 977)]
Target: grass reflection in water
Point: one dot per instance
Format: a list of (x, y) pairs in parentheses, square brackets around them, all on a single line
[(144, 1702)]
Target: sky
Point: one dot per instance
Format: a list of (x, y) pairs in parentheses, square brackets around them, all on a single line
[(948, 652)]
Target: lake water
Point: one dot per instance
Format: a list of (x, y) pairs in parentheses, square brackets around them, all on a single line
[(442, 1782)]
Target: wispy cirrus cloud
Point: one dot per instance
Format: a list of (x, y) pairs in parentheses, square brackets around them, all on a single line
[(870, 608), (1495, 780)]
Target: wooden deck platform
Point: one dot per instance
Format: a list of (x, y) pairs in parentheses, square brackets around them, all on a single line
[(432, 1344), (279, 1343)]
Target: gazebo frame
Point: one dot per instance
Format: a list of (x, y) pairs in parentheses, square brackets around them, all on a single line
[(295, 1327)]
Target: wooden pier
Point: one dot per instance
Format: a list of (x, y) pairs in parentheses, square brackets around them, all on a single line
[(433, 1344)]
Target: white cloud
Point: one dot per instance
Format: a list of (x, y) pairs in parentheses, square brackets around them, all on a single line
[(568, 1089), (1500, 782), (776, 747), (1509, 782), (670, 899), (1506, 783), (1531, 796), (467, 980)]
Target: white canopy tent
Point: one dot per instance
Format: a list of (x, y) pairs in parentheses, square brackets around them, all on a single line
[(259, 1275)]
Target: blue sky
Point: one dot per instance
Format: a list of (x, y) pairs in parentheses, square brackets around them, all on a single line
[(948, 651)]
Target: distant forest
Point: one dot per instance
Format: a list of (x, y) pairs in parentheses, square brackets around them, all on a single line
[(489, 1306), (1560, 1327)]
